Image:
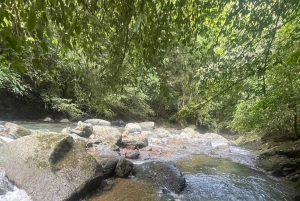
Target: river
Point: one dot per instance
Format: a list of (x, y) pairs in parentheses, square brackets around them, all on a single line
[(211, 174)]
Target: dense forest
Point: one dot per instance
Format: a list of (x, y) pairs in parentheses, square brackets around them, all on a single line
[(217, 64)]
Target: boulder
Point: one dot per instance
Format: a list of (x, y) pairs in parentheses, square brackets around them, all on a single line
[(214, 140), (50, 166), (15, 131), (48, 119), (98, 122), (66, 130), (64, 121), (5, 185), (143, 156), (133, 128), (106, 151), (135, 141), (161, 132), (164, 174), (123, 168), (109, 166), (83, 129), (132, 154), (147, 125), (108, 135)]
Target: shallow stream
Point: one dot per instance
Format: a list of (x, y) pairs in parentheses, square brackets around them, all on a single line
[(208, 178)]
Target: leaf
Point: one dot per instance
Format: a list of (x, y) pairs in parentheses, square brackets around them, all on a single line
[(137, 23), (37, 64), (94, 19), (31, 19), (44, 46), (12, 43)]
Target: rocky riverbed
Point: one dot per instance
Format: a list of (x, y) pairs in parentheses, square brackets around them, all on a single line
[(95, 155)]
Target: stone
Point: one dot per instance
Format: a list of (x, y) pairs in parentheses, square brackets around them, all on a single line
[(147, 125), (66, 130), (134, 141), (164, 174), (132, 154), (5, 185), (48, 119), (65, 121), (15, 131), (161, 132), (83, 129), (2, 142), (133, 128), (143, 156), (106, 151), (147, 148), (123, 168), (50, 166), (98, 122), (108, 135), (109, 166)]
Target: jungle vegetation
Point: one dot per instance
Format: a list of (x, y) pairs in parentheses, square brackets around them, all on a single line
[(220, 64)]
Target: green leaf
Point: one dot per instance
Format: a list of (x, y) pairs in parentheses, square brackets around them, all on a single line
[(31, 19), (94, 19), (37, 64), (44, 46)]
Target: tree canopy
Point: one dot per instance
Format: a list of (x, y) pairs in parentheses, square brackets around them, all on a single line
[(214, 63)]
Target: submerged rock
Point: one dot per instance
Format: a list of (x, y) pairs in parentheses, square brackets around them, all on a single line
[(164, 174), (50, 166), (15, 131)]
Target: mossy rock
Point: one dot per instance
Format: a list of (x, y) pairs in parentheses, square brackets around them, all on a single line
[(15, 131), (50, 166)]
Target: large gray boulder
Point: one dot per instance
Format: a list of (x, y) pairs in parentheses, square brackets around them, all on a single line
[(135, 141), (98, 122), (15, 131), (164, 174), (50, 166), (108, 135)]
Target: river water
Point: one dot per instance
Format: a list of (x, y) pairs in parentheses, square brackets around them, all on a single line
[(232, 176)]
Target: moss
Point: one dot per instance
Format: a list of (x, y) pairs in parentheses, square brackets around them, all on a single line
[(22, 132)]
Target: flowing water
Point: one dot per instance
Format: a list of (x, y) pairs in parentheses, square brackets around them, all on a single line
[(231, 177)]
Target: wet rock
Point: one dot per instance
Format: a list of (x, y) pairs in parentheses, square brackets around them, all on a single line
[(161, 132), (133, 128), (134, 141), (147, 148), (5, 185), (15, 131), (50, 166), (123, 168), (83, 129), (106, 151), (2, 142), (98, 122), (65, 121), (48, 119), (143, 156), (118, 123), (164, 174), (109, 166), (66, 130), (132, 154), (251, 142), (108, 135), (1, 128), (147, 125)]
